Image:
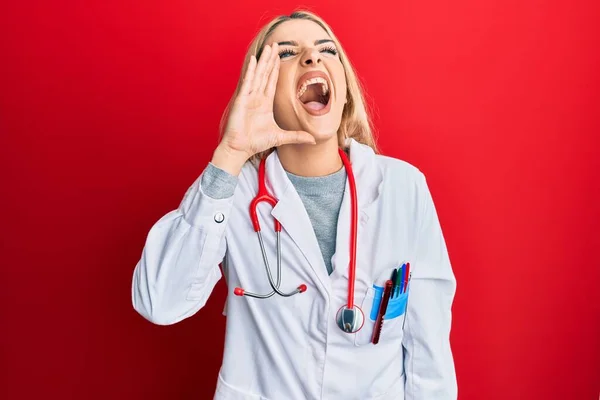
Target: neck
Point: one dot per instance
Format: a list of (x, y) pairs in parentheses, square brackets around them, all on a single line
[(311, 159)]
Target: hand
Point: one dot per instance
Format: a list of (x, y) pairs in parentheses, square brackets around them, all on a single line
[(251, 126)]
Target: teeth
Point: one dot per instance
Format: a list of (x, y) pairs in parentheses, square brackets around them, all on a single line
[(322, 81)]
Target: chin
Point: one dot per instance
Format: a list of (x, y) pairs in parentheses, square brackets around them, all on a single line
[(322, 135), (322, 127)]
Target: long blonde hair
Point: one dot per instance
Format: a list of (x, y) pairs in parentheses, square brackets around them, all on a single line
[(356, 122)]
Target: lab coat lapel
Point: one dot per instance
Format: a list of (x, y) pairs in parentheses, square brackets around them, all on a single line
[(369, 178), (294, 219), (292, 215)]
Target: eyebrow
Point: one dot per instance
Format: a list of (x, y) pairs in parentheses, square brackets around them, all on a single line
[(294, 43)]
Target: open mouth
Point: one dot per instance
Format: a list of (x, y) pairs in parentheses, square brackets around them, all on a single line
[(314, 93)]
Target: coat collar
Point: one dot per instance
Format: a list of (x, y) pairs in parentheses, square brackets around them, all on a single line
[(295, 221)]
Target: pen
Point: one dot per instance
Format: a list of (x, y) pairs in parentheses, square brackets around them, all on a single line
[(401, 276), (382, 309), (395, 280), (406, 276)]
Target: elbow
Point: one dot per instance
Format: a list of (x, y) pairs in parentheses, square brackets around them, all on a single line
[(158, 318), (152, 314), (156, 315), (163, 317), (156, 309), (147, 305)]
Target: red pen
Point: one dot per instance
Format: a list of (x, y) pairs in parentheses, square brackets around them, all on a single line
[(382, 309), (406, 277)]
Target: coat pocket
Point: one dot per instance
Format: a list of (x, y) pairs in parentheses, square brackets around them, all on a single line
[(392, 328)]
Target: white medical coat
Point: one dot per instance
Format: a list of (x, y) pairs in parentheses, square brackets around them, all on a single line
[(291, 348)]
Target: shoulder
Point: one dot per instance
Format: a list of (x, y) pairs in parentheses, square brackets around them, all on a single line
[(399, 171), (404, 183)]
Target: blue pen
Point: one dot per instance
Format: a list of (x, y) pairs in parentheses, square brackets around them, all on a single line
[(401, 276)]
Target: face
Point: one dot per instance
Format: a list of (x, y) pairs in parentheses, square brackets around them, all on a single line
[(311, 88)]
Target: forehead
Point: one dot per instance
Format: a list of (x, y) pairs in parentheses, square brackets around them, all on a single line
[(299, 30)]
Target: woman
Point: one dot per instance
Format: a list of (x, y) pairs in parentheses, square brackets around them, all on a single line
[(309, 331)]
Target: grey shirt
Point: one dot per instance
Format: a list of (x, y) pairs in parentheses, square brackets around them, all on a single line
[(322, 198)]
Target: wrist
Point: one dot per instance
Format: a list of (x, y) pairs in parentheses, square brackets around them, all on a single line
[(229, 160)]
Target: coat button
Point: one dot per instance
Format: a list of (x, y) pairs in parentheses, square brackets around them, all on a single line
[(219, 217)]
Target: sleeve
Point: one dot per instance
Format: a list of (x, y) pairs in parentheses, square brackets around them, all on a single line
[(179, 264), (218, 183), (428, 360)]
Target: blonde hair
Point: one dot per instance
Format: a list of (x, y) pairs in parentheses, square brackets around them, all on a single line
[(356, 122)]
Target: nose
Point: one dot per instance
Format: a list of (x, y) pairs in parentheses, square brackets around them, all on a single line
[(311, 57)]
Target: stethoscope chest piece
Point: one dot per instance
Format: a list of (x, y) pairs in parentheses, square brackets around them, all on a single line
[(350, 320)]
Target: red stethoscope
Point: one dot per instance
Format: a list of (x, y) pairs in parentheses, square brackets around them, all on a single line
[(349, 317)]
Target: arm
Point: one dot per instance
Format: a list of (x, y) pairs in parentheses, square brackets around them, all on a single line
[(179, 266), (428, 363)]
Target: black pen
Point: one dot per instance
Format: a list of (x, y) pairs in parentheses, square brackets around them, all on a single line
[(394, 281)]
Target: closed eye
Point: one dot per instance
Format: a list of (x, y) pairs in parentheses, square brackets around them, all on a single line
[(286, 52), (332, 50), (289, 52)]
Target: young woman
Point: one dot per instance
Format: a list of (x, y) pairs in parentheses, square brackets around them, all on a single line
[(310, 313)]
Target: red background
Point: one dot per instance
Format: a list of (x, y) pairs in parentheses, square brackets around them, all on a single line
[(109, 111)]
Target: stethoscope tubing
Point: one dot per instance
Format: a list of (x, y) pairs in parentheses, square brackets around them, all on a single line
[(353, 229), (274, 286), (263, 195)]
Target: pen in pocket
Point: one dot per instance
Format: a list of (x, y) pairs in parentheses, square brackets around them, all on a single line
[(382, 310), (401, 271), (406, 276)]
